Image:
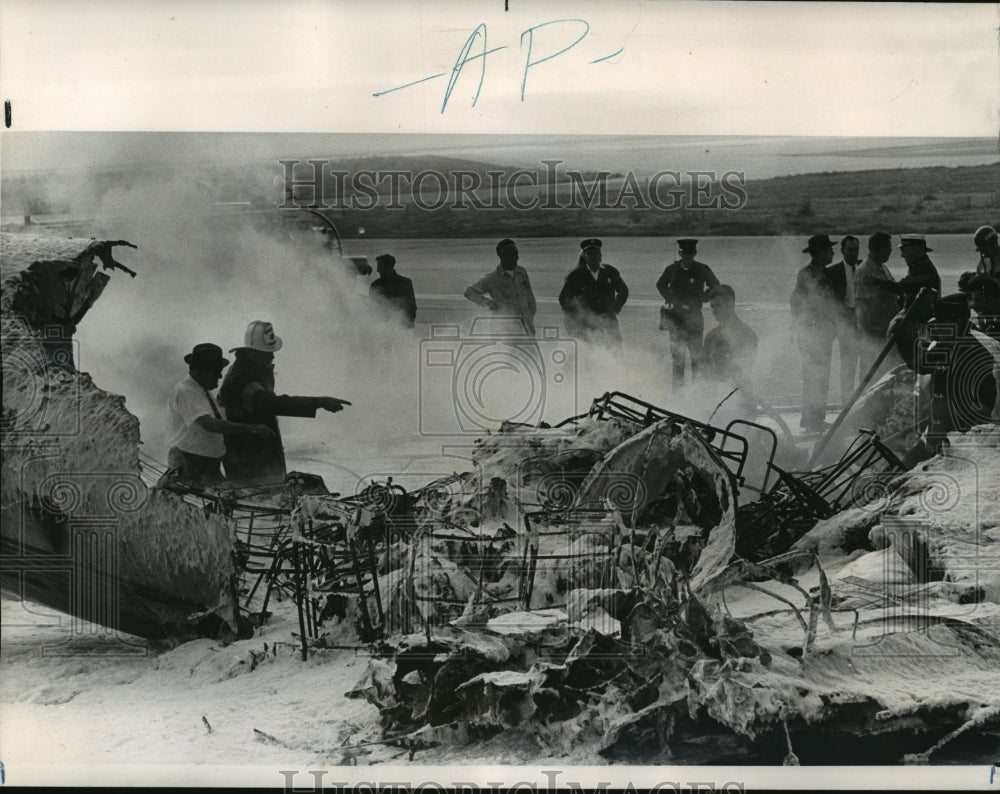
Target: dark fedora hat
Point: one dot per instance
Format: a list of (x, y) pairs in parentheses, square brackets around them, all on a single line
[(206, 355), (591, 242), (389, 259), (687, 244), (817, 243)]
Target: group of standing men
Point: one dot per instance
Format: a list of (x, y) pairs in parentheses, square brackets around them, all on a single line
[(852, 303), (861, 307), (591, 298), (594, 293)]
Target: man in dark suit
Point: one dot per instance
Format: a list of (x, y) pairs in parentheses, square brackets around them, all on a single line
[(393, 290), (984, 299), (920, 271), (592, 297), (731, 347), (841, 276), (813, 307)]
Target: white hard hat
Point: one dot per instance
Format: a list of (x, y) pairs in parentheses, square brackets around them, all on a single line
[(260, 336)]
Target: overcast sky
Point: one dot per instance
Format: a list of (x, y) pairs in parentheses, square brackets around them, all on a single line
[(675, 67)]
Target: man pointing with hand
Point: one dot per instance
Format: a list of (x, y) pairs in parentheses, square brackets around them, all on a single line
[(248, 396)]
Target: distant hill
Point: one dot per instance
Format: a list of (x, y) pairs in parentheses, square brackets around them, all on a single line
[(466, 197), (935, 200)]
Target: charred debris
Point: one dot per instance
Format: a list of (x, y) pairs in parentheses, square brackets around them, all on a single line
[(636, 581), (631, 580)]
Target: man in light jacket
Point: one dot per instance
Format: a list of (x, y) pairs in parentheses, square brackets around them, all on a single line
[(507, 293)]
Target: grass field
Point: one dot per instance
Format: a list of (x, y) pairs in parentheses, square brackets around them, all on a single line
[(935, 200), (932, 200)]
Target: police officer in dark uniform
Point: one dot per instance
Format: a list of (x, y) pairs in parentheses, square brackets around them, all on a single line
[(393, 291), (920, 271), (592, 297), (685, 285)]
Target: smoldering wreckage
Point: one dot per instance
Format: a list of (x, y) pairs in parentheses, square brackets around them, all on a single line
[(656, 588)]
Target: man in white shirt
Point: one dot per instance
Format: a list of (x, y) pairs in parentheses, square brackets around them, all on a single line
[(874, 307), (842, 277), (507, 293), (195, 424)]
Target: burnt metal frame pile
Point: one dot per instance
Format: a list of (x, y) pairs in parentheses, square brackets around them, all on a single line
[(731, 447), (450, 534), (796, 500), (268, 550), (530, 554), (341, 557), (835, 483), (325, 559), (317, 557), (594, 516), (328, 557), (336, 557), (261, 539), (266, 534)]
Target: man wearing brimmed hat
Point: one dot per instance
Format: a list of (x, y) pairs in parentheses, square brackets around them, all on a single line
[(814, 316), (195, 424), (506, 292), (592, 296), (248, 396), (920, 271), (393, 291), (685, 285), (909, 326)]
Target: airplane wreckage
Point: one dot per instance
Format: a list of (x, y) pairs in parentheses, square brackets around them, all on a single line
[(632, 579)]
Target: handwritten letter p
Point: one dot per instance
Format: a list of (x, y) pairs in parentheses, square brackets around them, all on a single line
[(530, 33)]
